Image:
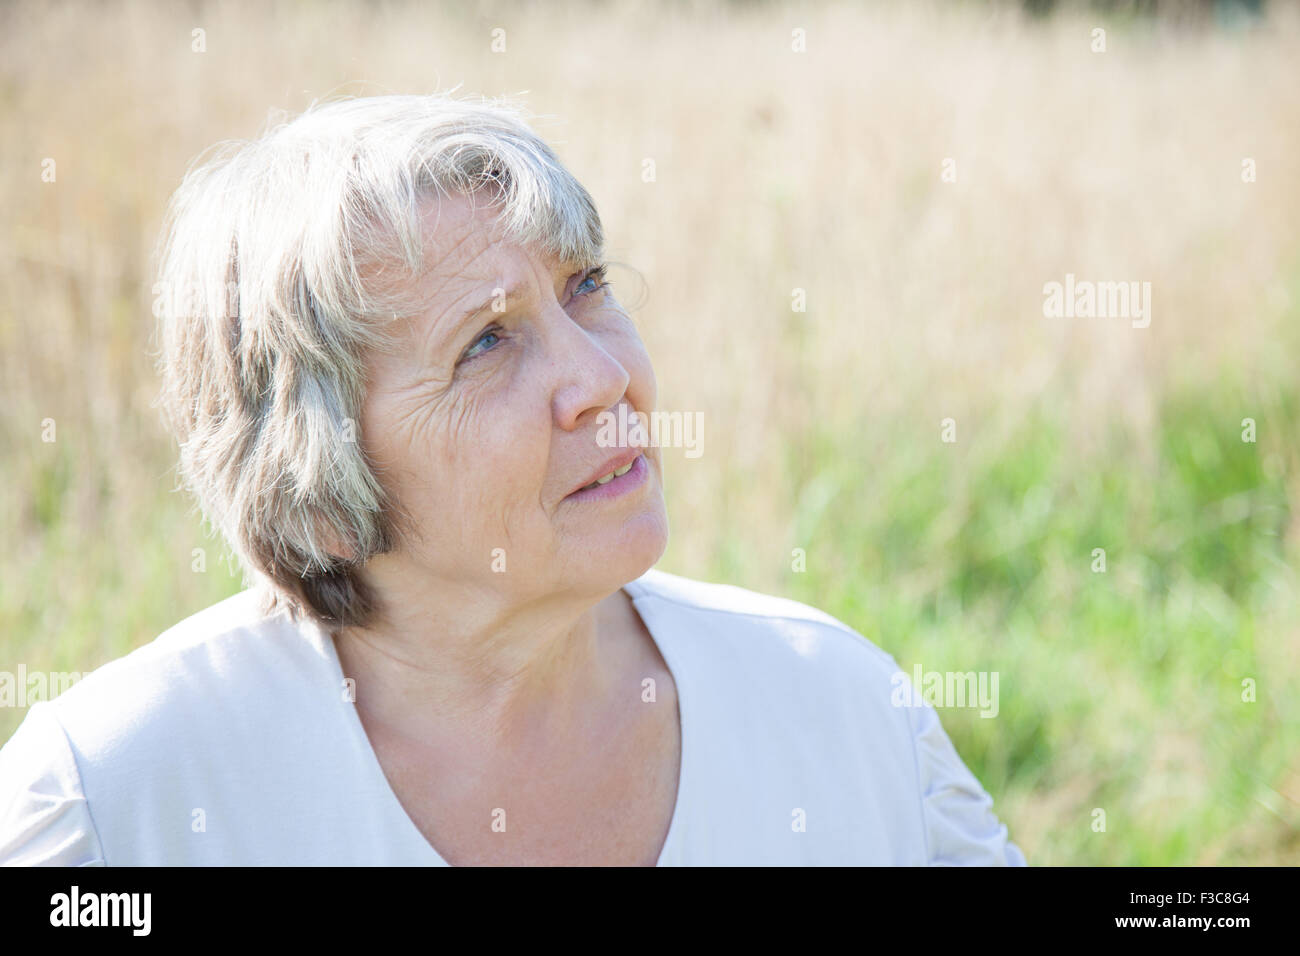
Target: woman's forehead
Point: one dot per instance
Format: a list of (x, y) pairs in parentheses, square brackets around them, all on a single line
[(465, 241)]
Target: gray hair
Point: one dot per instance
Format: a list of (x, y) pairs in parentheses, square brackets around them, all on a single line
[(282, 260)]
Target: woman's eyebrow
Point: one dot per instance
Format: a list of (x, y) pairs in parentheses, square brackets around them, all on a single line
[(487, 303), (445, 333), (515, 290)]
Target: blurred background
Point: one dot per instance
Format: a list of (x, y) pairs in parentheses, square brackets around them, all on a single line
[(911, 175)]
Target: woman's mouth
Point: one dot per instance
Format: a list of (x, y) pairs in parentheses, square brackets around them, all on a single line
[(618, 482)]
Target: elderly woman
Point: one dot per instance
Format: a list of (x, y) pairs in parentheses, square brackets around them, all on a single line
[(388, 344)]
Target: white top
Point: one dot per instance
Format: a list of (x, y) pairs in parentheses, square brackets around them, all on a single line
[(229, 740)]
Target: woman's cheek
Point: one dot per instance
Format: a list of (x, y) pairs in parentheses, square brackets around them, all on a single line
[(636, 360)]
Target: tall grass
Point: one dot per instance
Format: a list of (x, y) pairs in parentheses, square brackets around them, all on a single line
[(776, 171)]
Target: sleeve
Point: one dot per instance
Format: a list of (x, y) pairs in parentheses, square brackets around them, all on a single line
[(960, 826), (44, 817)]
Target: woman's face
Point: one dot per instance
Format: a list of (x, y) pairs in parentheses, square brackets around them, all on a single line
[(484, 426)]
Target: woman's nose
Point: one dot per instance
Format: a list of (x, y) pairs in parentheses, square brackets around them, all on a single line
[(588, 378)]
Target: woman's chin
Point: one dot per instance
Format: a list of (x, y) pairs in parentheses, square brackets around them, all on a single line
[(628, 551)]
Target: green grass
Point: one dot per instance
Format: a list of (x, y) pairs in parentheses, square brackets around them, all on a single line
[(1118, 690)]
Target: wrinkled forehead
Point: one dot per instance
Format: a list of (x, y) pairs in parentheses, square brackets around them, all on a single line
[(464, 238)]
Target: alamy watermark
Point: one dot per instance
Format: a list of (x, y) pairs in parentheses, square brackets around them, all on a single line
[(129, 910), (25, 687), (946, 689), (655, 430), (1102, 300)]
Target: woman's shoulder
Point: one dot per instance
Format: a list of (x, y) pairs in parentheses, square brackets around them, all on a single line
[(800, 679), (790, 661), (87, 774), (203, 678), (232, 647), (762, 628)]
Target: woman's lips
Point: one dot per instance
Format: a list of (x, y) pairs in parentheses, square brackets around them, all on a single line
[(618, 486)]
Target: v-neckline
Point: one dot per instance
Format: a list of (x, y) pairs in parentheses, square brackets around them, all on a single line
[(636, 592)]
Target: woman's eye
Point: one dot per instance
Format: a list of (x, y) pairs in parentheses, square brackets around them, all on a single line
[(597, 277), (490, 336)]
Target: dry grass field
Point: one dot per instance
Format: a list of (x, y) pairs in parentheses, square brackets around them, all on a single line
[(777, 169)]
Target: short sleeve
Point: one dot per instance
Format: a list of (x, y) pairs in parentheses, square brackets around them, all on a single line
[(960, 826), (44, 817)]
